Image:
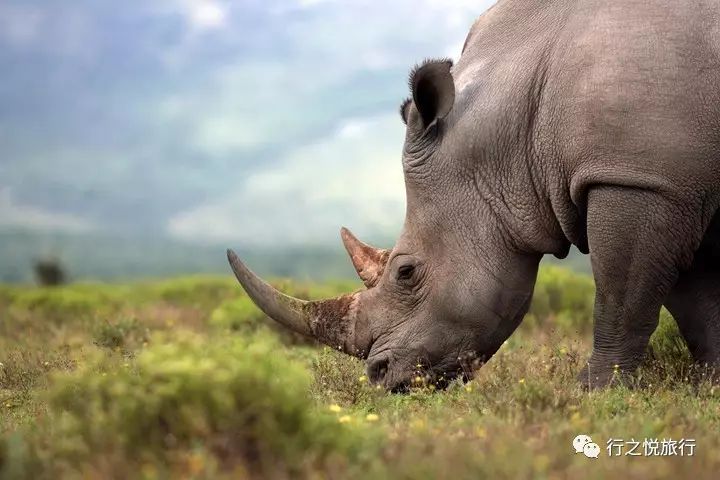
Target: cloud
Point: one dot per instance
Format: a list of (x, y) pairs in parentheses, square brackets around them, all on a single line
[(59, 30), (228, 132), (13, 214), (311, 3), (215, 118), (453, 51), (330, 69), (343, 179), (20, 24), (200, 15), (205, 14), (356, 128)]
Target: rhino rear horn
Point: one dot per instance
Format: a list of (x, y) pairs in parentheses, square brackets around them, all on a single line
[(369, 261)]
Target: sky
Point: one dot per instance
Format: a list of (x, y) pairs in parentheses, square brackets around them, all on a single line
[(257, 122)]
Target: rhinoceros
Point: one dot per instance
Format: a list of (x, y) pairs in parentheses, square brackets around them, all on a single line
[(593, 123)]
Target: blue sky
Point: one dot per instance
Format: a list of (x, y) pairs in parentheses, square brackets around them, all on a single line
[(253, 121)]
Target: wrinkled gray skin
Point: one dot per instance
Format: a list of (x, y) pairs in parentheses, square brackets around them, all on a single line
[(587, 122)]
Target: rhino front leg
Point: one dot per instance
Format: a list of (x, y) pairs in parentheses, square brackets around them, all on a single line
[(639, 241)]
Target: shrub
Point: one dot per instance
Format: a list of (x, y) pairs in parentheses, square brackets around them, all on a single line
[(667, 343), (237, 404), (203, 292), (242, 316), (340, 379), (669, 359), (117, 333), (49, 272), (239, 315), (563, 296), (62, 305)]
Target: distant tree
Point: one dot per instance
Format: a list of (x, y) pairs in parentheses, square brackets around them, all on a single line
[(49, 272)]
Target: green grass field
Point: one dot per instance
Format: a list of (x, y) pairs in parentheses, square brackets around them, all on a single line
[(185, 378)]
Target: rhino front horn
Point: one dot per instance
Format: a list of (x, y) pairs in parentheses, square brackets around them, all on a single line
[(333, 321), (369, 261)]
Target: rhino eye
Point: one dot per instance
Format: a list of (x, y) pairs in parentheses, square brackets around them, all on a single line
[(405, 272)]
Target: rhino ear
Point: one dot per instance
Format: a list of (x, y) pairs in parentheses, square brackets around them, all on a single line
[(433, 90)]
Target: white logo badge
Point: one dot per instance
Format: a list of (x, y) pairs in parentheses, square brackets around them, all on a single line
[(584, 444)]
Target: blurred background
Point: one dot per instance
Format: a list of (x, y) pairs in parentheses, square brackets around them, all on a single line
[(143, 138)]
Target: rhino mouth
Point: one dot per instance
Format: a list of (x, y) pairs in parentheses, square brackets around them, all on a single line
[(402, 379), (442, 377), (437, 380)]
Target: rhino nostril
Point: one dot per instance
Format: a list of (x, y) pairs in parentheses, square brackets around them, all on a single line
[(377, 369)]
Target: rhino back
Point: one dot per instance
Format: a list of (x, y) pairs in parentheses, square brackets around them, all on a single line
[(636, 94), (613, 92)]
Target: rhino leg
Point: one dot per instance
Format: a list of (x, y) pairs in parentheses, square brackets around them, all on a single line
[(639, 241), (695, 304)]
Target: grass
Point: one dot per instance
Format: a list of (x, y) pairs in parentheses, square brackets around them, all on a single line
[(185, 378)]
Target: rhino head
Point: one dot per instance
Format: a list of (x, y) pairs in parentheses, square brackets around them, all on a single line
[(455, 285)]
